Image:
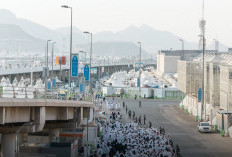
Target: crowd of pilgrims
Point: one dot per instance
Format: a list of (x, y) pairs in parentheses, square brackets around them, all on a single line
[(130, 140)]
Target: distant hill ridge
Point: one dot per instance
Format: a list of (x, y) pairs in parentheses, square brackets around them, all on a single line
[(33, 36)]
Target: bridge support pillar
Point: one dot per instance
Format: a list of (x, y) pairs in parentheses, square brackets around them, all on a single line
[(79, 115), (8, 145), (54, 135)]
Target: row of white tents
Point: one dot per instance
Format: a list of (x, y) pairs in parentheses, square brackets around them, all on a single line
[(124, 79), (22, 88)]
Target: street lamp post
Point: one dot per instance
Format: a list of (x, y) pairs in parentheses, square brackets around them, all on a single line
[(45, 75), (140, 45), (182, 58), (108, 66), (46, 54), (52, 63), (91, 47), (203, 107), (52, 55), (70, 55), (83, 72)]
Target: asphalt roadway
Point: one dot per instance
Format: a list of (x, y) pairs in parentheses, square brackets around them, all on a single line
[(181, 127)]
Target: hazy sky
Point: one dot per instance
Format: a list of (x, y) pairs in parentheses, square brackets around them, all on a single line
[(180, 17)]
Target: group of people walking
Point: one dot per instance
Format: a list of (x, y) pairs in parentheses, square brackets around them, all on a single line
[(130, 140), (134, 117), (133, 139)]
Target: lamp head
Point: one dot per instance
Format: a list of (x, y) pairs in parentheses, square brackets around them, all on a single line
[(65, 6)]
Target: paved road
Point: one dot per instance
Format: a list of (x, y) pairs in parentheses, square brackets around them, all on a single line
[(182, 128)]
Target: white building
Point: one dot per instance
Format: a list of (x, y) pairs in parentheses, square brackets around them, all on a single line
[(166, 63)]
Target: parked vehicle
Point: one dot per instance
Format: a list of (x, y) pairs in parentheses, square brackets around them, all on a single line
[(204, 127)]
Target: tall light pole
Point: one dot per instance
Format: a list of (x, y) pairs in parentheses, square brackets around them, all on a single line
[(203, 107), (91, 47), (70, 55), (52, 56), (46, 54), (202, 28), (83, 72), (140, 61), (52, 64), (182, 58), (45, 75), (98, 61)]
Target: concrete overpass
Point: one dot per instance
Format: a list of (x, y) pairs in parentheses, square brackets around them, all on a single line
[(62, 73), (20, 116)]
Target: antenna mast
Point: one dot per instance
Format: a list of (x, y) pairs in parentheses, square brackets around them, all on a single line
[(202, 26)]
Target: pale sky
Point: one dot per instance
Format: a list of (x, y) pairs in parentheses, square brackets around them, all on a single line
[(181, 17)]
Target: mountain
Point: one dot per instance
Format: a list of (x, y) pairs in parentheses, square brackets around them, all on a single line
[(32, 28), (120, 43), (13, 38), (152, 40), (117, 48)]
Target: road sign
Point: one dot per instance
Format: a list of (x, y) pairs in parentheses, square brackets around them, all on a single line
[(138, 82), (199, 94), (45, 72), (74, 63), (49, 86), (54, 82), (86, 72), (93, 70), (82, 70), (63, 60), (57, 60), (81, 87)]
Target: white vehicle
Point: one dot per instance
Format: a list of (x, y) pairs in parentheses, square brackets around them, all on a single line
[(204, 127)]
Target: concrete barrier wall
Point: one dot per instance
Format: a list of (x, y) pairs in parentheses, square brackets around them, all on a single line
[(193, 107)]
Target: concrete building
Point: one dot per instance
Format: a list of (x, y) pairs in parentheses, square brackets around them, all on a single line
[(225, 87), (167, 59), (167, 64), (190, 76), (217, 84)]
